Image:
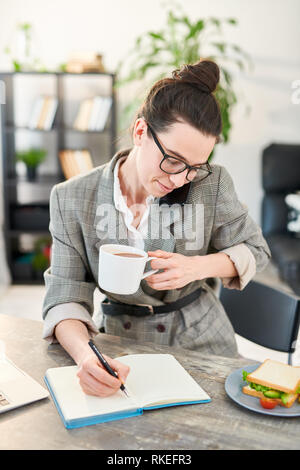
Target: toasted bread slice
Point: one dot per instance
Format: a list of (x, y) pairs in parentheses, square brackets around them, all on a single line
[(254, 393), (276, 375)]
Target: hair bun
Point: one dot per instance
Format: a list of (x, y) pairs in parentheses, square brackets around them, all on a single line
[(203, 75)]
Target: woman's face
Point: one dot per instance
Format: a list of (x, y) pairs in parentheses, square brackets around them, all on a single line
[(180, 140)]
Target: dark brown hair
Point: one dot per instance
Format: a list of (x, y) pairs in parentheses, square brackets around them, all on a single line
[(186, 96)]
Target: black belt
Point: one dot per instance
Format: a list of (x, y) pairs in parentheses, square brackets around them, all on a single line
[(110, 307)]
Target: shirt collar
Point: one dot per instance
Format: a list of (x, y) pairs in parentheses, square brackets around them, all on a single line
[(118, 196)]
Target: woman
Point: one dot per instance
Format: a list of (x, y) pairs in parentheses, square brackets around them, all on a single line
[(173, 135)]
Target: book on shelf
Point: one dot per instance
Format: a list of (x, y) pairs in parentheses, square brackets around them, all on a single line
[(83, 115), (93, 113), (35, 114), (154, 381), (104, 113), (43, 113), (75, 162), (49, 119)]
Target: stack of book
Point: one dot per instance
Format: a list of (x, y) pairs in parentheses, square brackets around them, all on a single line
[(93, 114), (43, 113), (75, 162)]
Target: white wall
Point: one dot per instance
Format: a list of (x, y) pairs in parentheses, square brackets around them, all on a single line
[(268, 30)]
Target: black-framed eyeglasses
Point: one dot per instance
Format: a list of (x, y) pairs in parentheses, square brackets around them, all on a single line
[(173, 165)]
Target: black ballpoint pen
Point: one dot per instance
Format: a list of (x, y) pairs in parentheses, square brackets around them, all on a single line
[(106, 365)]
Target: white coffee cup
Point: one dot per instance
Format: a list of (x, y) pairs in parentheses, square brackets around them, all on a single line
[(121, 274)]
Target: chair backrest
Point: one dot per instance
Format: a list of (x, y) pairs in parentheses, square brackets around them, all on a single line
[(281, 168), (267, 316), (280, 176)]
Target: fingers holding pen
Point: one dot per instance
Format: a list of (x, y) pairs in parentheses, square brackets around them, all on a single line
[(121, 369), (95, 380), (91, 386)]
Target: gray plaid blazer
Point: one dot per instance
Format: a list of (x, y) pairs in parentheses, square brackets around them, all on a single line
[(77, 234)]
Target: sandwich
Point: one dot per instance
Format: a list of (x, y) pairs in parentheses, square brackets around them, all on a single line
[(274, 383)]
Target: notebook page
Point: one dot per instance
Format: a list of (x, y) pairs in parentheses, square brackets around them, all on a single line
[(75, 404), (160, 379)]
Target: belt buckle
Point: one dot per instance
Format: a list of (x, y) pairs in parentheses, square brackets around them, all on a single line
[(150, 307)]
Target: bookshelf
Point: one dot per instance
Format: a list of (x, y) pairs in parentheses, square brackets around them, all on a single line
[(26, 203)]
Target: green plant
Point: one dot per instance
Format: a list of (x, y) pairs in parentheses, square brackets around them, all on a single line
[(41, 258), (27, 61), (32, 157), (62, 67), (183, 41), (40, 262)]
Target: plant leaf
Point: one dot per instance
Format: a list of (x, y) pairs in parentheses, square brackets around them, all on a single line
[(195, 29), (215, 21), (156, 36), (187, 22), (227, 76), (17, 66), (232, 21), (221, 46)]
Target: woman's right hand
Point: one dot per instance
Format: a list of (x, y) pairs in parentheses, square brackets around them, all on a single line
[(95, 380)]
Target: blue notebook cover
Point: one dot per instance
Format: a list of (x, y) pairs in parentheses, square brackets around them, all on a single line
[(79, 423), (77, 409)]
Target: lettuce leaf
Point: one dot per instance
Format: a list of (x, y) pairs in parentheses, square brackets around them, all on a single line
[(258, 388), (245, 375)]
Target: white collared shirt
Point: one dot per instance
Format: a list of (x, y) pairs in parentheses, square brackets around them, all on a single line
[(135, 235)]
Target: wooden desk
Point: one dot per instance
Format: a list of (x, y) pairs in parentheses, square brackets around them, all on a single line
[(220, 424)]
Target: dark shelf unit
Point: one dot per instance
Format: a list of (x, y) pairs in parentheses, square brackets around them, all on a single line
[(41, 187)]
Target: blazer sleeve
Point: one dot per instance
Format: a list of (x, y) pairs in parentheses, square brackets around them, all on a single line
[(236, 234), (69, 292)]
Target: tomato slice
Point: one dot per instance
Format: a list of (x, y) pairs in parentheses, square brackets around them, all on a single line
[(268, 403)]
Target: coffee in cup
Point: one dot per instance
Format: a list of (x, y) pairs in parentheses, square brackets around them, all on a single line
[(129, 255)]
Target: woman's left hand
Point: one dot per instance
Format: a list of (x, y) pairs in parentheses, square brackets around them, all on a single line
[(179, 270)]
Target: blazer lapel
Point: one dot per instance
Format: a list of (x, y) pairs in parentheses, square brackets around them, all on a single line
[(191, 226), (109, 224)]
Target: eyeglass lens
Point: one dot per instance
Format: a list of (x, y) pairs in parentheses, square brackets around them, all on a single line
[(173, 166)]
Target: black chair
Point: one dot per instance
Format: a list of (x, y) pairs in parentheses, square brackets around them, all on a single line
[(281, 176), (267, 316)]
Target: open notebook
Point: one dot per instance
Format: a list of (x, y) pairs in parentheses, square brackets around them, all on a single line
[(154, 381)]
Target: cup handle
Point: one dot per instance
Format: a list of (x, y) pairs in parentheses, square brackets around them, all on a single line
[(153, 271)]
